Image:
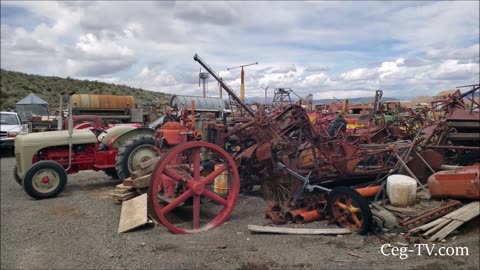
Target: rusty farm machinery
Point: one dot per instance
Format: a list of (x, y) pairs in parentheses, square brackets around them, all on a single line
[(194, 186)]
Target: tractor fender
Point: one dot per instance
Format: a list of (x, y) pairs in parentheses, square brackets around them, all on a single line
[(113, 132), (120, 140)]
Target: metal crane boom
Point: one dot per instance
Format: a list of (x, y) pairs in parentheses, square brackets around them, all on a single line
[(241, 66), (223, 84)]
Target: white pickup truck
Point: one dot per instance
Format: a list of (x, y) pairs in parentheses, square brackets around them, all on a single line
[(10, 126)]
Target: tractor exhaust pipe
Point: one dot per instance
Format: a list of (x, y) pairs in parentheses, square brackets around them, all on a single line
[(60, 113), (70, 131)]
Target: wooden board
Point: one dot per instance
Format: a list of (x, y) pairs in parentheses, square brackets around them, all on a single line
[(124, 196), (134, 214), (443, 226), (123, 187), (282, 230), (142, 181)]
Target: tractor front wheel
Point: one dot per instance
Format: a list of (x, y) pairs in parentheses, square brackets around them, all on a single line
[(45, 179), (15, 175)]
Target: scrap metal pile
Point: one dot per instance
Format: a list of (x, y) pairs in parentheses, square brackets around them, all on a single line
[(304, 171), (308, 166)]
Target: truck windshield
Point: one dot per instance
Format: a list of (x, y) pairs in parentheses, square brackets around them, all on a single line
[(9, 119)]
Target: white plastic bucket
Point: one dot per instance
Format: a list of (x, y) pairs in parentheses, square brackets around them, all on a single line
[(401, 190)]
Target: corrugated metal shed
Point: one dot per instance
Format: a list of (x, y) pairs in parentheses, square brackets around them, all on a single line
[(31, 99), (201, 103)]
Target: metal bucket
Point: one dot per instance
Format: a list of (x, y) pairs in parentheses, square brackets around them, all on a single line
[(220, 184)]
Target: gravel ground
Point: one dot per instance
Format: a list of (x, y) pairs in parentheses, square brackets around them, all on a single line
[(78, 230)]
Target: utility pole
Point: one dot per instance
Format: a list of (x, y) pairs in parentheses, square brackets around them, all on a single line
[(242, 79), (266, 88)]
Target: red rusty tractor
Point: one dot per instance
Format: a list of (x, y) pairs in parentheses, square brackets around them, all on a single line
[(44, 159)]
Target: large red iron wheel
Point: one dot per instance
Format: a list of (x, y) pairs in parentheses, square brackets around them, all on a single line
[(194, 187)]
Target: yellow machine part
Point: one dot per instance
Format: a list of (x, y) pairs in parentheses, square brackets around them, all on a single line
[(306, 157)]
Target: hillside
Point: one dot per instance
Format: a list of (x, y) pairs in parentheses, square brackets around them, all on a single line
[(15, 86)]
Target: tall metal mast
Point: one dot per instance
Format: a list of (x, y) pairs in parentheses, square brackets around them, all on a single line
[(242, 79), (224, 85)]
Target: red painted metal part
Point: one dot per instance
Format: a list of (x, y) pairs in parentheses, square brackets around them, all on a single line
[(368, 191), (292, 214), (309, 216), (177, 181), (84, 157), (460, 183)]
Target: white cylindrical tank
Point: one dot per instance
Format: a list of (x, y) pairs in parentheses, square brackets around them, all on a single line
[(401, 190)]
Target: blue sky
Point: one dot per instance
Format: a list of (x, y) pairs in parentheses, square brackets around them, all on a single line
[(326, 48)]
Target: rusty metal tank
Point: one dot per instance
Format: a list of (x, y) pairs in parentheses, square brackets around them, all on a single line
[(102, 102), (459, 183), (206, 104)]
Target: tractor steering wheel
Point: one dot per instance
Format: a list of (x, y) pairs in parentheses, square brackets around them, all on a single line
[(100, 130)]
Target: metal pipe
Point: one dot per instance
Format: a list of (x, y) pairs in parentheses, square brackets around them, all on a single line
[(306, 217), (192, 109), (424, 161), (70, 131), (410, 172), (303, 179), (446, 167), (60, 114), (223, 84), (454, 147)]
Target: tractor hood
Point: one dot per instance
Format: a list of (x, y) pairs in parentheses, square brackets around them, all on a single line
[(54, 138), (27, 145)]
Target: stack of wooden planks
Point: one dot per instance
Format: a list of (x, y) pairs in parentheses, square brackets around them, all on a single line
[(442, 227), (123, 193), (139, 179)]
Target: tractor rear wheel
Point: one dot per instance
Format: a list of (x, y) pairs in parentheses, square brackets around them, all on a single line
[(15, 175), (45, 179), (134, 152), (112, 173)]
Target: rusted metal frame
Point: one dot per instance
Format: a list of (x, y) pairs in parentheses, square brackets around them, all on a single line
[(375, 153), (425, 162), (410, 172), (453, 147), (473, 102), (431, 214), (306, 181)]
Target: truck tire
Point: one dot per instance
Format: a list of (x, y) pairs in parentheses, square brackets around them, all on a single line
[(15, 175), (133, 152), (45, 179)]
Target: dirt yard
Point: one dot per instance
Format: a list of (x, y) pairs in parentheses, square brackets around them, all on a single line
[(78, 230)]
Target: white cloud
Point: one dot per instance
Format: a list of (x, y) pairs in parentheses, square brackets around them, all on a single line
[(402, 47), (452, 70), (358, 74)]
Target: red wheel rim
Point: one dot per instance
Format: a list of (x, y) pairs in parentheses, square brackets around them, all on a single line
[(208, 209)]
